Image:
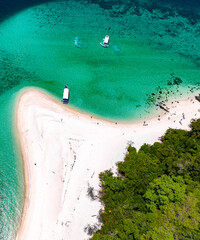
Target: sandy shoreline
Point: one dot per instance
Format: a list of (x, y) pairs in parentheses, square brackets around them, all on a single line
[(63, 152)]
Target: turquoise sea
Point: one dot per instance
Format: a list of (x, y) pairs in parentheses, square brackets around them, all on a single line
[(154, 55)]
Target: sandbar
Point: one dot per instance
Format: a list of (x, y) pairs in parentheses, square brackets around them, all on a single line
[(63, 152)]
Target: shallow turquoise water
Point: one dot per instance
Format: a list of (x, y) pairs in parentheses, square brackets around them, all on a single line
[(11, 174), (37, 49)]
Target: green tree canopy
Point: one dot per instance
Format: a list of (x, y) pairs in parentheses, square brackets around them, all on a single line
[(156, 195), (164, 190)]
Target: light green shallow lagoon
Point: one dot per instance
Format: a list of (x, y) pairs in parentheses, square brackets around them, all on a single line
[(37, 49)]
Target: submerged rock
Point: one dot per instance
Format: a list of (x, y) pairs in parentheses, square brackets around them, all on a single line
[(166, 109), (197, 98)]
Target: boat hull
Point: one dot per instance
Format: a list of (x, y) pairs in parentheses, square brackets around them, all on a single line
[(104, 45), (65, 101)]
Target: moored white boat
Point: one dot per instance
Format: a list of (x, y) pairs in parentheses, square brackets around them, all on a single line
[(105, 42), (66, 94)]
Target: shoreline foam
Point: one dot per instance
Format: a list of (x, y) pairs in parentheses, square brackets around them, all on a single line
[(63, 152)]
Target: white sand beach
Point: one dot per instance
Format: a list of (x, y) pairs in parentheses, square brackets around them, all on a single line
[(63, 153)]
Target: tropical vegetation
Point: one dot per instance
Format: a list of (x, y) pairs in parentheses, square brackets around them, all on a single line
[(156, 194)]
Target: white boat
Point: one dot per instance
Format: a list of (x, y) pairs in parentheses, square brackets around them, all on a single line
[(66, 94), (105, 42)]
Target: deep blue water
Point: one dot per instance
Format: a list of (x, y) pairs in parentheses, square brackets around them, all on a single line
[(188, 7)]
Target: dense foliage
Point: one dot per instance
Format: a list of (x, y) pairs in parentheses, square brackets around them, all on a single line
[(156, 194)]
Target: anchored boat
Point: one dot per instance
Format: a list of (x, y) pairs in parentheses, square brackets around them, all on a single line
[(66, 94), (105, 42)]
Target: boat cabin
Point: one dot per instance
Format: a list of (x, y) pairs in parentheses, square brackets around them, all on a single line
[(106, 40)]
